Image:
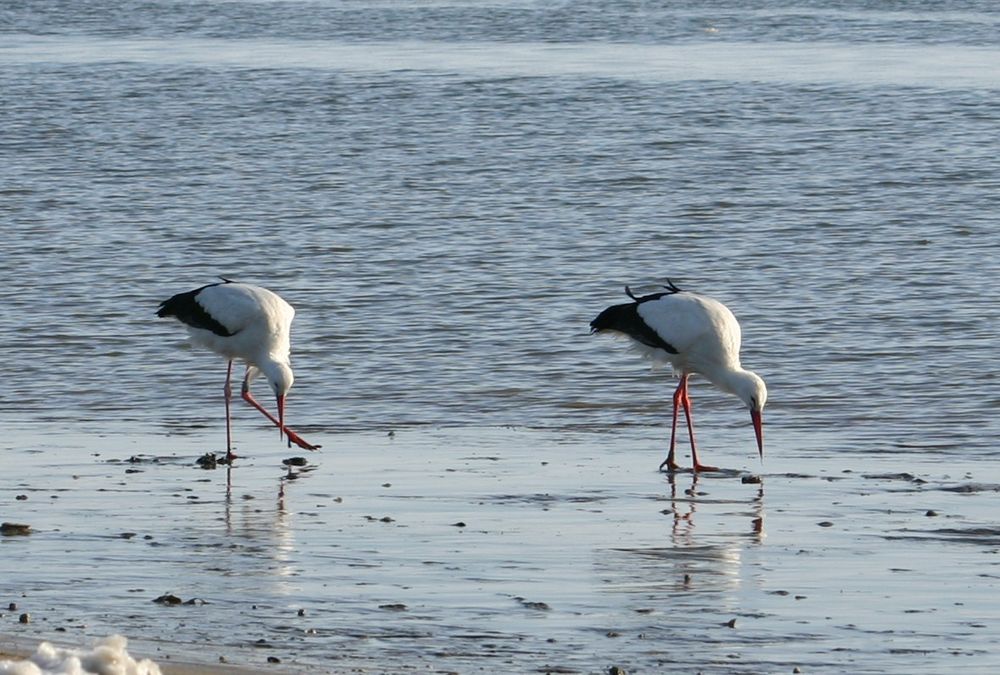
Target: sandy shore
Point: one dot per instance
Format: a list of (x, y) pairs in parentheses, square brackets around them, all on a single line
[(507, 551), (15, 649)]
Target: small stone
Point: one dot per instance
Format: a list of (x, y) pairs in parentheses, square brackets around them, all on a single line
[(12, 607), (825, 523), (796, 669), (386, 485), (24, 618), (931, 513), (208, 461), (458, 524), (616, 670), (13, 529), (386, 519), (302, 612), (394, 607), (127, 535), (295, 461), (273, 659), (751, 479), (21, 498), (168, 599)]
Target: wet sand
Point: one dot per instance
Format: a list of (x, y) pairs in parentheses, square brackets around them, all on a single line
[(502, 550)]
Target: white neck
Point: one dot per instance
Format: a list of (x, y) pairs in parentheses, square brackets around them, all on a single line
[(745, 384)]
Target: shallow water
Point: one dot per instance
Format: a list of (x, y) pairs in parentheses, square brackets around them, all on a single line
[(448, 192), (505, 551)]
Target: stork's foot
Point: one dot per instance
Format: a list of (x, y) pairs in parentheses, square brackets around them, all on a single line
[(299, 441), (705, 467), (671, 465)]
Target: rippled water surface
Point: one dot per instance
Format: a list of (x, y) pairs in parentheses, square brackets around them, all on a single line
[(448, 192)]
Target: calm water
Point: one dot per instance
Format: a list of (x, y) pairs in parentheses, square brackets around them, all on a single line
[(449, 191)]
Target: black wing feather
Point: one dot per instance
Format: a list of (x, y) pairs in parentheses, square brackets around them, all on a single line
[(186, 309), (625, 319)]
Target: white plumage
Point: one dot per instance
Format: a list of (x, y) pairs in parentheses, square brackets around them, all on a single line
[(695, 335), (247, 323)]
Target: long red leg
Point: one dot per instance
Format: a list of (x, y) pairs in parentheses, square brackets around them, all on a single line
[(669, 461), (228, 391), (292, 436), (698, 466)]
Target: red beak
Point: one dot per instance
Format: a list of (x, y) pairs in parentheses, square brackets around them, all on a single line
[(281, 415), (758, 428)]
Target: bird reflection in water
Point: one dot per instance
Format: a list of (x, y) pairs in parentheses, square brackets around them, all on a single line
[(265, 530), (684, 506)]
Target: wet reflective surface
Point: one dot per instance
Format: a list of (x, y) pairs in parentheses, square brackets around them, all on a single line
[(504, 550)]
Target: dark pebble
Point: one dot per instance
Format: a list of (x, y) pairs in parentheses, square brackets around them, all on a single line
[(24, 618), (302, 612), (21, 498), (931, 513), (295, 461), (12, 607), (825, 523), (616, 670), (168, 599), (208, 461), (751, 479), (458, 524), (10, 529), (273, 659), (127, 535), (394, 607)]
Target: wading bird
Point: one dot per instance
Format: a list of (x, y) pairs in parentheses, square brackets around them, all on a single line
[(696, 335), (245, 322)]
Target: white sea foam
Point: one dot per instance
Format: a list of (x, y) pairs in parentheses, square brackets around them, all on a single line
[(108, 656)]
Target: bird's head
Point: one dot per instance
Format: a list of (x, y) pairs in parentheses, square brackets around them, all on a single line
[(753, 392), (279, 376)]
